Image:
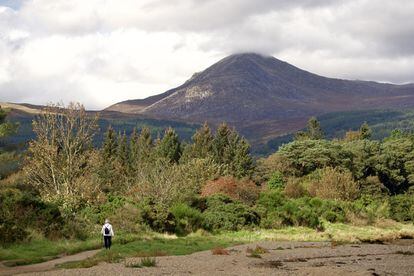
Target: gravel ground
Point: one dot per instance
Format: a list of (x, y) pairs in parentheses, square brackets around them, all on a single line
[(283, 258)]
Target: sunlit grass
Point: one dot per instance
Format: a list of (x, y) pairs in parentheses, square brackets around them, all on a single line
[(154, 244)]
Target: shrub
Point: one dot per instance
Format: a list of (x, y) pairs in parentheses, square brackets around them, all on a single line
[(294, 188), (187, 219), (242, 190), (370, 208), (402, 207), (333, 183), (128, 218), (277, 211), (373, 186), (276, 181), (76, 227), (223, 213), (21, 210), (157, 216)]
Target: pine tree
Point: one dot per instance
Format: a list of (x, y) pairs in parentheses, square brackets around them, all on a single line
[(314, 129), (220, 143), (202, 142), (243, 162), (134, 147), (169, 146), (233, 151), (123, 152), (6, 128), (365, 131), (145, 145), (110, 145)]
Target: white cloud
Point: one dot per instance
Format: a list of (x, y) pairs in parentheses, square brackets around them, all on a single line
[(100, 52)]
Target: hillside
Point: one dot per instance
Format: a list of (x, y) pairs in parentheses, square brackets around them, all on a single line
[(265, 97), (23, 114)]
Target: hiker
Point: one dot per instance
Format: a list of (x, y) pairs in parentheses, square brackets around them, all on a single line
[(107, 233)]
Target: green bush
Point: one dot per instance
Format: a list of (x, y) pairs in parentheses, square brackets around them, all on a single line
[(21, 211), (76, 227), (222, 213), (98, 213), (402, 207), (157, 216), (276, 181), (371, 207), (277, 211), (187, 219)]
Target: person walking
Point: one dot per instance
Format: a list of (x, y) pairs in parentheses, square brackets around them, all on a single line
[(107, 232)]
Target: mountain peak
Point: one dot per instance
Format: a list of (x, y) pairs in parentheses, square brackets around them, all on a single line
[(254, 89)]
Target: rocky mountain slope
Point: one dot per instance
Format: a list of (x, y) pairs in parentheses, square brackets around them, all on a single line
[(265, 97)]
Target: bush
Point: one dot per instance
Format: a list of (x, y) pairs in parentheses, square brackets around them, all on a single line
[(402, 207), (294, 188), (76, 227), (373, 186), (276, 181), (242, 190), (277, 211), (370, 208), (223, 213), (127, 218), (21, 211), (333, 183), (187, 219), (157, 216)]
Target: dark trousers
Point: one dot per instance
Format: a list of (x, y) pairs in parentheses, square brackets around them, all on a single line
[(107, 241)]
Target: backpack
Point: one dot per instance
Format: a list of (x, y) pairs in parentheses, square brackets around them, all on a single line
[(106, 231)]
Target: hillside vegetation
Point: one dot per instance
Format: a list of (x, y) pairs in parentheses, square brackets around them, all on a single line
[(66, 187), (336, 124)]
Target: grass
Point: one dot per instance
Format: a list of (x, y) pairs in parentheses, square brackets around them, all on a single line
[(256, 253), (42, 250), (153, 244), (144, 262)]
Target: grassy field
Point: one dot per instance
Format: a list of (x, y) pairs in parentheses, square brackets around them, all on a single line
[(153, 244)]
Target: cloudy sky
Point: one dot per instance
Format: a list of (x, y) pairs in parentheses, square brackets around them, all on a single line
[(103, 51)]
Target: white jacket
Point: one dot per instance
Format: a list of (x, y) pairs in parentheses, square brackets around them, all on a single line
[(109, 226)]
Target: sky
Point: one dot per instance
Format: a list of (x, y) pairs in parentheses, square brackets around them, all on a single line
[(99, 52)]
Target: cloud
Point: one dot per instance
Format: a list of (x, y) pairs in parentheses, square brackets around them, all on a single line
[(100, 52)]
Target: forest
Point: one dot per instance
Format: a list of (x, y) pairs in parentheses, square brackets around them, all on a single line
[(64, 187)]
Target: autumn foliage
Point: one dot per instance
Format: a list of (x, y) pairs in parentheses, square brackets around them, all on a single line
[(239, 189)]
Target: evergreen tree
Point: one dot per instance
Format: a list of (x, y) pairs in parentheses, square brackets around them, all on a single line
[(230, 149), (134, 146), (202, 142), (6, 128), (243, 162), (365, 131), (145, 145), (314, 129), (220, 143), (110, 145), (123, 152), (169, 146)]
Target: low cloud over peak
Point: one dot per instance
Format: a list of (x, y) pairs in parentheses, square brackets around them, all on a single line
[(101, 52)]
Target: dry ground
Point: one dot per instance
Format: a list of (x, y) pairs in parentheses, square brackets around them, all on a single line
[(283, 258)]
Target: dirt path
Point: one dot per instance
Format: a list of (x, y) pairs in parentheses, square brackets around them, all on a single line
[(49, 265), (283, 258)]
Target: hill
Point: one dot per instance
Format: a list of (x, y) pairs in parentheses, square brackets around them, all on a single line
[(265, 97), (23, 114)]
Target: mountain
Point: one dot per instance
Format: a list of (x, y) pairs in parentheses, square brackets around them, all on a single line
[(265, 97)]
